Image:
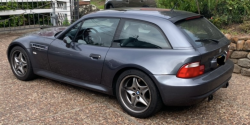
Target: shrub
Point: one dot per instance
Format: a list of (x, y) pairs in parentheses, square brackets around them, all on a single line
[(245, 27), (66, 22), (19, 20), (219, 12)]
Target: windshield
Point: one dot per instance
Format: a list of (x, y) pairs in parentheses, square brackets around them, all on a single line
[(198, 29)]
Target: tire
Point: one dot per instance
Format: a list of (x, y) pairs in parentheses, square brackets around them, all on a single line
[(140, 100), (20, 64)]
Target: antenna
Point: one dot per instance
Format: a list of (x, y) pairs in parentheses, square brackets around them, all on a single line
[(174, 6)]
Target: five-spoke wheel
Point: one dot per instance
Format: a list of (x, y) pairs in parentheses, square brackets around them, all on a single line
[(137, 94), (20, 64)]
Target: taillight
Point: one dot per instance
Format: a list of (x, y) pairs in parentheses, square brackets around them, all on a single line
[(194, 17), (191, 70)]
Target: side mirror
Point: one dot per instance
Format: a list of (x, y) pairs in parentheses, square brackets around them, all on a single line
[(67, 41)]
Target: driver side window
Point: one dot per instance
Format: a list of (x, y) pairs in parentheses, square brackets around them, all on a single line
[(72, 32), (97, 31)]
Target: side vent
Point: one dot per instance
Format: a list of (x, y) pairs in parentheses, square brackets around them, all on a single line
[(39, 46)]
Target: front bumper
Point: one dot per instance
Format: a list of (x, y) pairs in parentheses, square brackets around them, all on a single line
[(183, 92)]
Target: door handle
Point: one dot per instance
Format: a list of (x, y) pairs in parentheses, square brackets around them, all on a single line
[(95, 56)]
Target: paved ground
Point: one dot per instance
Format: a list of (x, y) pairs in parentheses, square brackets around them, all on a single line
[(44, 101)]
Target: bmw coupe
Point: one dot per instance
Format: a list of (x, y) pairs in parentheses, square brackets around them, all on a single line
[(146, 57)]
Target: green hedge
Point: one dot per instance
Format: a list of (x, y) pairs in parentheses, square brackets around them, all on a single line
[(26, 19), (220, 12)]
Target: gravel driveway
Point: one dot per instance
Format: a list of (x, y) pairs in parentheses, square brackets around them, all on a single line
[(44, 101)]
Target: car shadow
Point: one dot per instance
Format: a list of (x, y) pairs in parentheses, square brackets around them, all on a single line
[(111, 100)]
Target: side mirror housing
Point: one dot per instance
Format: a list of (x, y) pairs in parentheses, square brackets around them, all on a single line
[(67, 41)]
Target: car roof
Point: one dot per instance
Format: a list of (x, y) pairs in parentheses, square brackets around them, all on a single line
[(174, 15)]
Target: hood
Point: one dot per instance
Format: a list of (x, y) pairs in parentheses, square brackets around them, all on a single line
[(35, 36), (50, 32), (47, 32)]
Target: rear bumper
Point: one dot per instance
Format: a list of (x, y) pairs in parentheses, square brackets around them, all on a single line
[(182, 92)]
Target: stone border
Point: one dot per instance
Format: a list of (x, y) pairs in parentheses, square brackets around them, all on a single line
[(239, 53)]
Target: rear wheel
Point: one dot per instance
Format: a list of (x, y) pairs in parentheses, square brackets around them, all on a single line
[(20, 64), (137, 94)]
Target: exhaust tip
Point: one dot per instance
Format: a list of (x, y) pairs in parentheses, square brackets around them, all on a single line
[(210, 97), (226, 85)]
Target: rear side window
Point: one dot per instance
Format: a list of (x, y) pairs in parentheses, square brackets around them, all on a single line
[(198, 29), (138, 34)]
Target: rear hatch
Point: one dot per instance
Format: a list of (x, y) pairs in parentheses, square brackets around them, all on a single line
[(207, 40)]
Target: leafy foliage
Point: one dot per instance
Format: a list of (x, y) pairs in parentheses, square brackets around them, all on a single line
[(219, 12), (245, 26), (181, 4), (66, 22), (19, 20), (12, 5)]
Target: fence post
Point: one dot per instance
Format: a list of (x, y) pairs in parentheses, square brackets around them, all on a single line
[(76, 10), (54, 14), (68, 6)]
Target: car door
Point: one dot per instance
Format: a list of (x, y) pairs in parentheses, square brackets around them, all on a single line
[(83, 57)]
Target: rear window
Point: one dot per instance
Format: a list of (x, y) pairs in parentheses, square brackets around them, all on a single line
[(139, 34), (198, 29)]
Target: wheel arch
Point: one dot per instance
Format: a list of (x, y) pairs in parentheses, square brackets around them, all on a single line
[(120, 71), (12, 45)]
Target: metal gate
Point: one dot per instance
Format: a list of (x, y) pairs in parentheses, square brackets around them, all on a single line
[(30, 14)]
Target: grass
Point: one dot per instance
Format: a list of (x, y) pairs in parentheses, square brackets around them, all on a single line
[(237, 29), (98, 3)]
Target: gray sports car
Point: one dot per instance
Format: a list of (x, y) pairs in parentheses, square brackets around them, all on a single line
[(146, 57)]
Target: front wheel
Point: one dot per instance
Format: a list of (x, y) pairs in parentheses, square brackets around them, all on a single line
[(20, 64), (137, 94)]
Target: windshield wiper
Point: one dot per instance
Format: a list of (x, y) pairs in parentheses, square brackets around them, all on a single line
[(201, 40)]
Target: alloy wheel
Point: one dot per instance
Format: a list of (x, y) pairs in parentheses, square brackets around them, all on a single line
[(19, 63), (135, 93)]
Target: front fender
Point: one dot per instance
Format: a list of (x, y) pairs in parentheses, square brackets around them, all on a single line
[(24, 45), (39, 60)]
